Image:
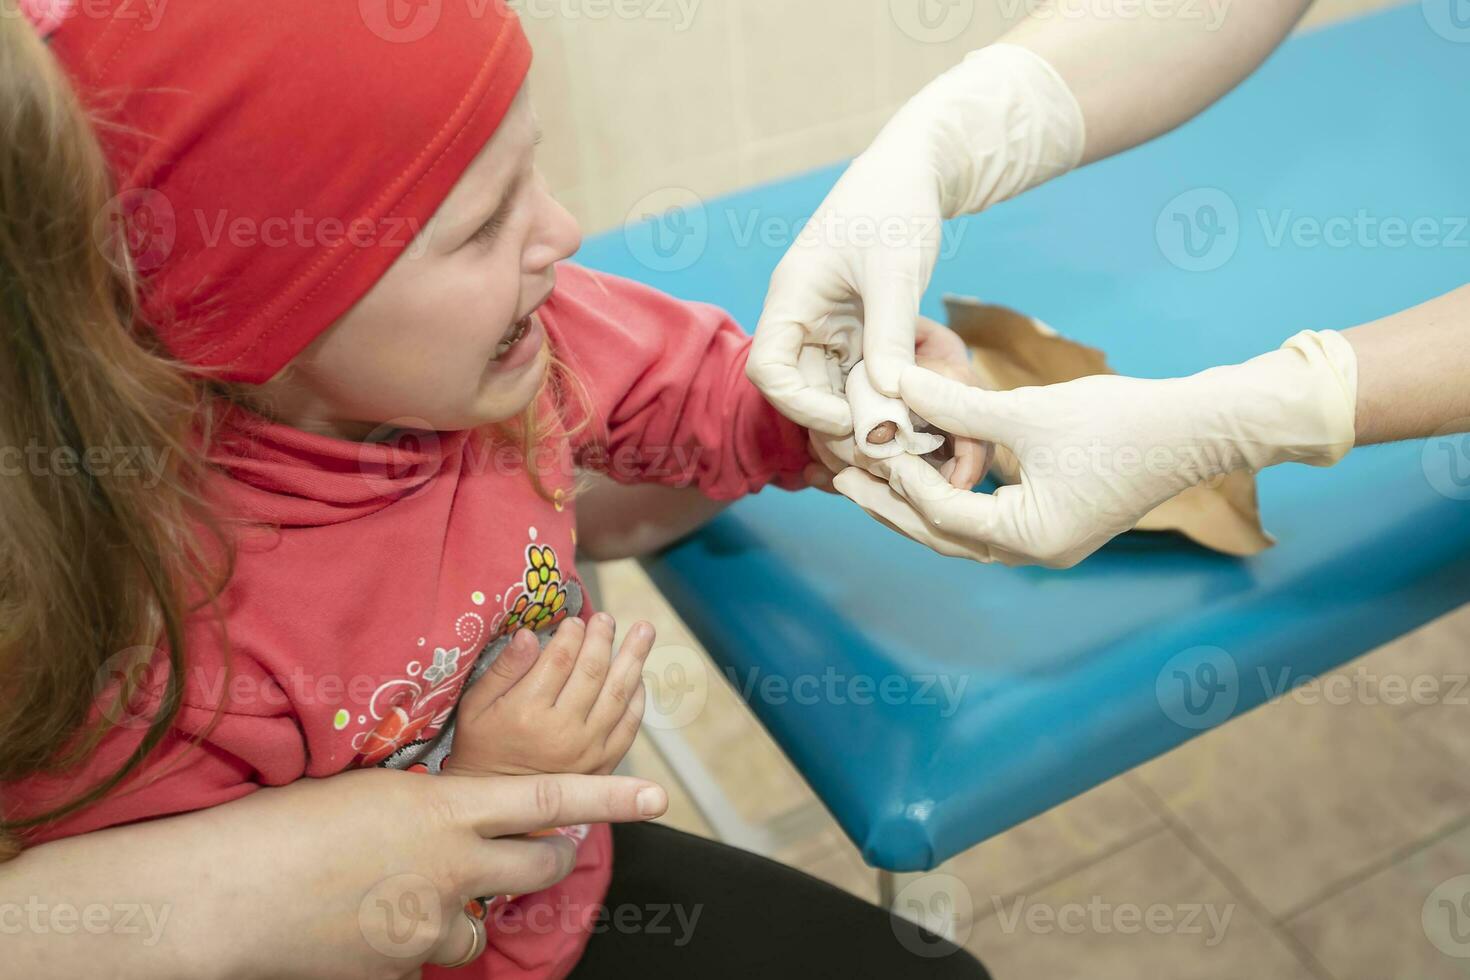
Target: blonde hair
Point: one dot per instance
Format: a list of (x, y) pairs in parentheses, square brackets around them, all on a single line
[(562, 410)]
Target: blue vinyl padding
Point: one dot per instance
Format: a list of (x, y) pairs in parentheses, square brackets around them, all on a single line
[(1066, 679)]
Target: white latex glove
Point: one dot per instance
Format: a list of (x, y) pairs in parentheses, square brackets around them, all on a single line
[(998, 124), (1098, 453)]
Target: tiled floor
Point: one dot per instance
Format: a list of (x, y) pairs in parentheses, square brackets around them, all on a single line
[(1317, 837)]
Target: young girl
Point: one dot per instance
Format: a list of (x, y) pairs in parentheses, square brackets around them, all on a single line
[(364, 384)]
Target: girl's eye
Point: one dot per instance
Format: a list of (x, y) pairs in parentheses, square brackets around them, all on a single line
[(488, 232)]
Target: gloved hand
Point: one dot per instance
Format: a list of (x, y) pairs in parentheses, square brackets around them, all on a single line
[(1098, 453), (998, 124)]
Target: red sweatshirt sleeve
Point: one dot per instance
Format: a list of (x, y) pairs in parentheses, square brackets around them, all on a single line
[(669, 399), (240, 754)]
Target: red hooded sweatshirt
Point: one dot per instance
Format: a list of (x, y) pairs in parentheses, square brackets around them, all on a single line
[(390, 574)]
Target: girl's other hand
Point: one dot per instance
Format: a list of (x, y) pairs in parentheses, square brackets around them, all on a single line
[(572, 707)]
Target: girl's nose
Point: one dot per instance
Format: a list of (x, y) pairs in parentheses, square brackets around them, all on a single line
[(557, 236)]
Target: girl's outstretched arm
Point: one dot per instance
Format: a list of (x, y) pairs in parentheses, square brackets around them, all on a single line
[(666, 392), (616, 520)]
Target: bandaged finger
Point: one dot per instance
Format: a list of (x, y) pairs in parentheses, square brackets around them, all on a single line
[(883, 427)]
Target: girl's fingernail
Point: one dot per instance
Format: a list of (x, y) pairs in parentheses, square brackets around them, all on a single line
[(604, 620), (883, 434), (651, 801)]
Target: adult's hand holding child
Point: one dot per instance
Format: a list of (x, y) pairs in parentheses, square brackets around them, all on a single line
[(344, 852)]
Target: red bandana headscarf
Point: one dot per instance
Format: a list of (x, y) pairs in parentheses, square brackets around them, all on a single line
[(273, 158)]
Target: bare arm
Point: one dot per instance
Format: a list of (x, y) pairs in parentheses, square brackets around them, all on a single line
[(290, 882), (148, 898), (615, 520), (1414, 371), (1139, 77)]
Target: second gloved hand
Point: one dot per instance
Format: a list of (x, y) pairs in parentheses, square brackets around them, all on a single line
[(1098, 453)]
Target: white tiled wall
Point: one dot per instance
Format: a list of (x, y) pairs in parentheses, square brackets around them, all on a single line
[(712, 95)]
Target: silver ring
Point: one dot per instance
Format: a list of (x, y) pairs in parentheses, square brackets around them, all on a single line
[(477, 948)]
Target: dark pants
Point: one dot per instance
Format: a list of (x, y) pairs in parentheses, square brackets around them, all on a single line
[(694, 908)]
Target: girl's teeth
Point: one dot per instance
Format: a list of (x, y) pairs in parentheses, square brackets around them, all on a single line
[(514, 338)]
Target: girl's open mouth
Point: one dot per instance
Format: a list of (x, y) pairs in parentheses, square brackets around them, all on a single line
[(520, 347), (522, 327)]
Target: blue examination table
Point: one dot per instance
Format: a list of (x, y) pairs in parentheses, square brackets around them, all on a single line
[(1009, 691)]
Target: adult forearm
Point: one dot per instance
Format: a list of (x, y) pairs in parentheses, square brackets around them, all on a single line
[(1414, 371), (1139, 76), (128, 902)]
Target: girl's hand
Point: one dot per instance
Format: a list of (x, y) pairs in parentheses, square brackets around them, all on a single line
[(360, 876), (572, 707), (941, 350)]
